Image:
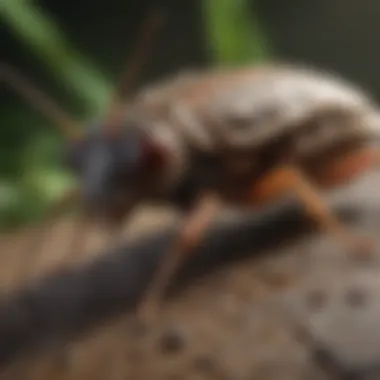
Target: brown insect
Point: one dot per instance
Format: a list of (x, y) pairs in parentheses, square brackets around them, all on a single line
[(241, 137)]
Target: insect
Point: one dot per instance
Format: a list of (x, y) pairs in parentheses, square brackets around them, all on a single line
[(202, 139)]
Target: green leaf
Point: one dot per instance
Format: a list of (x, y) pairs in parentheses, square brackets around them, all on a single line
[(46, 41), (234, 34)]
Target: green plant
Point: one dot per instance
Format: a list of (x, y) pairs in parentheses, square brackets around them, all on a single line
[(234, 33)]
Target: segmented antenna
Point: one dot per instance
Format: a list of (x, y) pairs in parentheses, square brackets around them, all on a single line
[(142, 48), (27, 90)]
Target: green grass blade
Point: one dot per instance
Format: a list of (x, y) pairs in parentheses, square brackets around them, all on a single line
[(46, 41), (234, 34)]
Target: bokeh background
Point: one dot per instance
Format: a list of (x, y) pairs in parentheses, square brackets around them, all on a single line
[(76, 50)]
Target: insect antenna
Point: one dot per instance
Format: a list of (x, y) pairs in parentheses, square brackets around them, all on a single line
[(43, 103), (143, 45)]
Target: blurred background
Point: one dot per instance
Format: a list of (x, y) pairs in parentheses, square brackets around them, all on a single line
[(76, 50)]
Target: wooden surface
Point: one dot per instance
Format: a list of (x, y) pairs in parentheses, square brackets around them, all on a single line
[(266, 317)]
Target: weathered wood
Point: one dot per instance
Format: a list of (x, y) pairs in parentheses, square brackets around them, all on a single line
[(229, 324)]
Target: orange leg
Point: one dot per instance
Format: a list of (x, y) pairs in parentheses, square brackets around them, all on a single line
[(289, 178), (190, 235)]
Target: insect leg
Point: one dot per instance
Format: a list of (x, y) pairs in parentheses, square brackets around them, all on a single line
[(288, 178), (190, 235)]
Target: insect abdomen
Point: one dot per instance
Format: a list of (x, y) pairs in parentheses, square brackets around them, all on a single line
[(253, 109)]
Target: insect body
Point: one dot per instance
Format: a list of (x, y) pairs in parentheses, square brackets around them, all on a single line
[(246, 136), (241, 137), (259, 117)]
